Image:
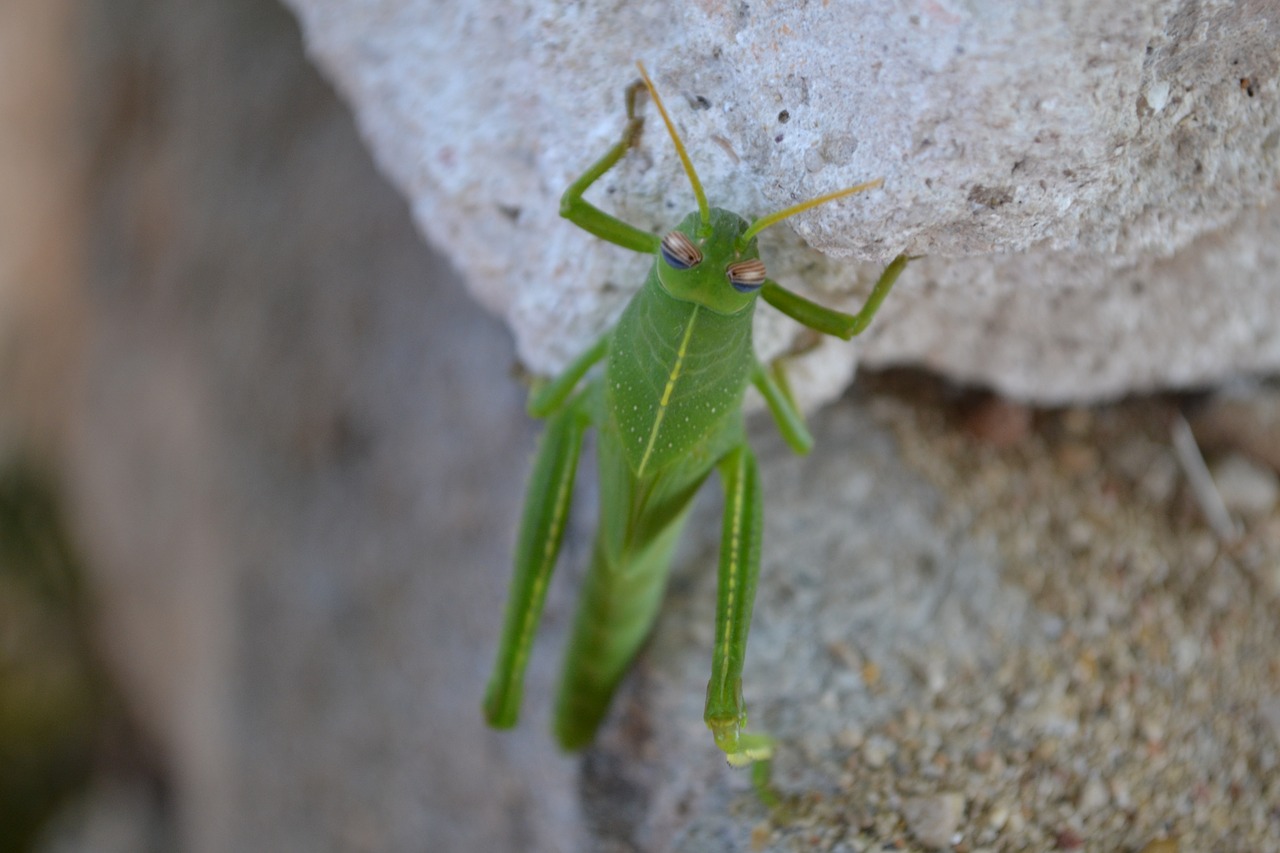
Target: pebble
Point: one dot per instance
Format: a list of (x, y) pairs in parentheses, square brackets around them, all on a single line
[(1068, 839), (1080, 534), (850, 738), (1270, 712), (999, 422), (1160, 479), (1077, 459), (1247, 489), (933, 819), (761, 834), (1077, 421), (1094, 796), (877, 750)]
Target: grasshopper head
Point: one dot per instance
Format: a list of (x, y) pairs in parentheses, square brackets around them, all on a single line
[(711, 265), (711, 257)]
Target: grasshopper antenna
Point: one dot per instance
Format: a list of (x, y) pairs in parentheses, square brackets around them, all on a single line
[(704, 210), (774, 218)]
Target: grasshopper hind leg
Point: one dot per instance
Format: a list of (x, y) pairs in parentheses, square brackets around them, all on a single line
[(546, 510), (726, 712)]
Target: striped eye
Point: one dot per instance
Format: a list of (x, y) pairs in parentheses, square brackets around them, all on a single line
[(746, 276), (679, 252)]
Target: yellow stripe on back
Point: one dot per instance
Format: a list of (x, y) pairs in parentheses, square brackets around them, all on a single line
[(666, 392)]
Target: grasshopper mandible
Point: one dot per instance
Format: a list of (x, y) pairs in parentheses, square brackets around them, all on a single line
[(667, 409)]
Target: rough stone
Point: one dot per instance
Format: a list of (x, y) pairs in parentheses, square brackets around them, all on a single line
[(1247, 489), (933, 820), (1091, 187)]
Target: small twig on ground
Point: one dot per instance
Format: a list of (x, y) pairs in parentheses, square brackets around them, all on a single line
[(1202, 485)]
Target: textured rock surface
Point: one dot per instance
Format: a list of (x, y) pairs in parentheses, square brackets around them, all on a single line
[(1090, 184)]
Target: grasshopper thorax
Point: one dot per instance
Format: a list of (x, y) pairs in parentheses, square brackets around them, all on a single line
[(709, 264)]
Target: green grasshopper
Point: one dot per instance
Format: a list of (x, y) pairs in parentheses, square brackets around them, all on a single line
[(668, 409)]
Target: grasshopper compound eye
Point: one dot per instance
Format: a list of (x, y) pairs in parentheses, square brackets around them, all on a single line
[(679, 252), (746, 276)]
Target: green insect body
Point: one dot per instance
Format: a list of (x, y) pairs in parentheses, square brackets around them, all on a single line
[(668, 410)]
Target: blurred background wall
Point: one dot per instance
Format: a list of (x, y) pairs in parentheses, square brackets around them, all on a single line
[(253, 391)]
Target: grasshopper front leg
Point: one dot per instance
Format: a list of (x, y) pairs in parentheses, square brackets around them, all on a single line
[(546, 509), (828, 320), (726, 713), (592, 219)]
